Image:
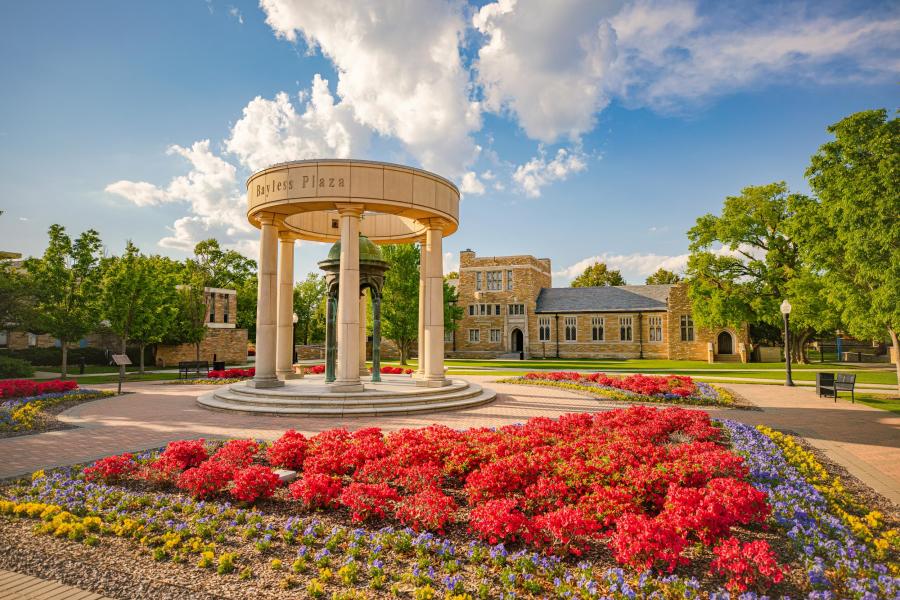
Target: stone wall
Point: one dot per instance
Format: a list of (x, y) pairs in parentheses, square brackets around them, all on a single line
[(229, 345), (680, 304), (18, 340), (612, 346), (530, 274)]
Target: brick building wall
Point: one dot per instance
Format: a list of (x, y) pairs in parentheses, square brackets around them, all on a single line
[(680, 349), (612, 345), (495, 327)]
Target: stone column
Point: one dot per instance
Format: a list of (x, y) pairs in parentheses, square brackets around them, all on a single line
[(420, 338), (348, 304), (284, 354), (434, 306), (267, 293), (330, 333), (363, 370)]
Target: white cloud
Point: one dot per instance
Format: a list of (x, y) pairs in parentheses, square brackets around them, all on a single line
[(545, 62), (635, 267), (272, 131), (211, 191), (399, 69), (539, 172), (470, 184), (669, 54), (451, 262), (235, 13)]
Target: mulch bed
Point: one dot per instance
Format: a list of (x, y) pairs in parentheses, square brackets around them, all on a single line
[(47, 420)]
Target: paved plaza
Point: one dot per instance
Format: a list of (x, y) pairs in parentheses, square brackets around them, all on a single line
[(865, 440)]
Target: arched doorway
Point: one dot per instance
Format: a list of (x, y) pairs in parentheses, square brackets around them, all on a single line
[(517, 341), (725, 343)]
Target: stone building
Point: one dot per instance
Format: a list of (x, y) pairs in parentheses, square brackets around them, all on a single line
[(510, 309), (223, 340)]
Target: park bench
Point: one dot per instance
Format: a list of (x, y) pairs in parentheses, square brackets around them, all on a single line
[(188, 367), (844, 382)]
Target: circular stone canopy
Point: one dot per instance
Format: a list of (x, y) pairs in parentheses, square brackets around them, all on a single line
[(396, 201)]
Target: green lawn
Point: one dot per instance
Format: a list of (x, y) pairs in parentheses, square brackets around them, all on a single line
[(112, 378), (889, 403)]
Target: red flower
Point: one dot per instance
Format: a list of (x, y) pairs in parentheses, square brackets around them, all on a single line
[(111, 468), (751, 565), (500, 521), (206, 479), (368, 500), (288, 451), (316, 490), (430, 509), (253, 483), (237, 453)]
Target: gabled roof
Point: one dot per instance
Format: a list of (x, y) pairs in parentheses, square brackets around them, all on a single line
[(624, 298)]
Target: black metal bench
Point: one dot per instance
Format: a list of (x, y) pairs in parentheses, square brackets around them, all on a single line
[(189, 367), (844, 382)]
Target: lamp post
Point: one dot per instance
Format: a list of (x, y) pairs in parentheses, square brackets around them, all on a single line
[(786, 311)]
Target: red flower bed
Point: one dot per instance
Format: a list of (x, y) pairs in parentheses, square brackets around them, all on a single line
[(647, 385), (233, 373), (316, 369), (395, 371), (20, 388), (649, 483), (111, 468)]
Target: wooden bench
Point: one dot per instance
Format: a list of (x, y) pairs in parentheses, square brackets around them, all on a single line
[(844, 382), (188, 367)]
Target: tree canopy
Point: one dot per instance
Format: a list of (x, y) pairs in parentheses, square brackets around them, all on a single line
[(400, 297), (598, 275), (309, 306), (851, 230), (662, 276)]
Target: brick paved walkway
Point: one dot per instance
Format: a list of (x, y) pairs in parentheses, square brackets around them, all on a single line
[(865, 440), (24, 587)]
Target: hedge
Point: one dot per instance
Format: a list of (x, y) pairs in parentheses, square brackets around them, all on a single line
[(14, 367)]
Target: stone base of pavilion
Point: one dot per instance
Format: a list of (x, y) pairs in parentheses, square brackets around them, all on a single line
[(311, 396)]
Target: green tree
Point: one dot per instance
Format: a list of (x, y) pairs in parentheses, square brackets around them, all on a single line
[(400, 299), (65, 282), (123, 291), (662, 276), (309, 300), (756, 268), (453, 312), (851, 233), (189, 323), (246, 306), (598, 275), (160, 304), (223, 268)]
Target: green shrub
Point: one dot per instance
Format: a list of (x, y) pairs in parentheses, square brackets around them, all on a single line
[(14, 368)]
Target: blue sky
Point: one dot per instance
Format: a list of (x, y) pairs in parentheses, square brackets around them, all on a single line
[(576, 130)]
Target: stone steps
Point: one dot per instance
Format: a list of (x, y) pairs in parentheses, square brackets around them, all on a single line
[(456, 396)]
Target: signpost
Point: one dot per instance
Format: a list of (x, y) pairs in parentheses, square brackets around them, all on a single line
[(122, 361)]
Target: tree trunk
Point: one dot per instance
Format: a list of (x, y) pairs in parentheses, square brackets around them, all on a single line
[(142, 346), (197, 352), (65, 357), (893, 333), (798, 347), (403, 352)]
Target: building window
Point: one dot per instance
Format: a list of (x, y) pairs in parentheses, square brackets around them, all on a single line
[(474, 336), (448, 335), (571, 329), (597, 325), (495, 335), (509, 280), (482, 309), (471, 310), (516, 309), (32, 340), (544, 329), (625, 333), (497, 309), (478, 280), (687, 328), (225, 304), (655, 329), (4, 339), (494, 280), (212, 308)]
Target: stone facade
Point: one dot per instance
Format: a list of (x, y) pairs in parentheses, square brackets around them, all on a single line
[(659, 327), (484, 285), (21, 340), (223, 341), (229, 345)]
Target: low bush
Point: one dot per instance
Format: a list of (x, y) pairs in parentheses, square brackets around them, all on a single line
[(316, 490), (15, 367), (288, 451), (254, 483), (21, 388)]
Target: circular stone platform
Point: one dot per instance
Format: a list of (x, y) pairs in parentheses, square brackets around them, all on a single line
[(396, 394)]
